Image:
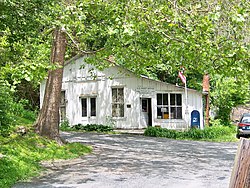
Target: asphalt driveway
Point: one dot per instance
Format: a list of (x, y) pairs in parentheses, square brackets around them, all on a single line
[(132, 161)]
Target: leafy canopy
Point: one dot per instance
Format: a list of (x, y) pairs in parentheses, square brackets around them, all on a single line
[(148, 37)]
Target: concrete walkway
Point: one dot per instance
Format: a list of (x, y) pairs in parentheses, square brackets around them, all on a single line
[(134, 161), (130, 131)]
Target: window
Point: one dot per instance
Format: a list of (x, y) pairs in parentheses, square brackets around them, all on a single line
[(84, 107), (88, 106), (62, 110), (144, 105), (93, 106), (175, 106), (169, 106), (117, 102)]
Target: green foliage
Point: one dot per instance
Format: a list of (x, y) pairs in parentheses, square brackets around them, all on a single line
[(20, 156), (160, 132), (89, 127), (65, 126), (12, 113), (229, 92), (94, 127), (214, 133), (7, 108), (148, 38)]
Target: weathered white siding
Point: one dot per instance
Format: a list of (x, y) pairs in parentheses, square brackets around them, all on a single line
[(90, 82)]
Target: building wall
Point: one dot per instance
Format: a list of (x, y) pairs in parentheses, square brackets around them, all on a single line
[(89, 82)]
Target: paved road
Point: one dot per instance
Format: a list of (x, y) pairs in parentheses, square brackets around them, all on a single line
[(132, 161)]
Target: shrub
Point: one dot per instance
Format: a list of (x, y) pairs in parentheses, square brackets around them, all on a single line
[(7, 109), (12, 112), (210, 133), (93, 127), (160, 132), (64, 125)]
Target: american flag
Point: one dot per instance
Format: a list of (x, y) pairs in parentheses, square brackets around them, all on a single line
[(182, 77)]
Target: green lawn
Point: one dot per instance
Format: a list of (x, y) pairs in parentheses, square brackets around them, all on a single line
[(20, 156)]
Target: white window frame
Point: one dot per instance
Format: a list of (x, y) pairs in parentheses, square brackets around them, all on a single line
[(119, 110), (89, 106), (167, 109)]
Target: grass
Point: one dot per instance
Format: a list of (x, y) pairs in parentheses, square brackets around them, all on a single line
[(212, 134), (20, 156)]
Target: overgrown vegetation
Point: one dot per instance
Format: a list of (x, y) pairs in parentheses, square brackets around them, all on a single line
[(88, 128), (20, 155), (12, 112), (145, 37), (7, 108), (21, 150), (213, 133)]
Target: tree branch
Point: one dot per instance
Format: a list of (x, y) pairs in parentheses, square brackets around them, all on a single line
[(78, 48)]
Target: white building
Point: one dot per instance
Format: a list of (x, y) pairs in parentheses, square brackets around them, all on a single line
[(92, 96)]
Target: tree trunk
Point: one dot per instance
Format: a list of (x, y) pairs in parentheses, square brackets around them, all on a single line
[(47, 123), (240, 177)]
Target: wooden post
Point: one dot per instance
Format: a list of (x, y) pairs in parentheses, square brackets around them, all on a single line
[(207, 110), (240, 177), (205, 91)]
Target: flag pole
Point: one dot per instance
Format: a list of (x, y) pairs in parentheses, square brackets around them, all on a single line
[(184, 80), (186, 101)]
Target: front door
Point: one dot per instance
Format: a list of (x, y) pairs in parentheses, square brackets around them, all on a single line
[(146, 113), (88, 110)]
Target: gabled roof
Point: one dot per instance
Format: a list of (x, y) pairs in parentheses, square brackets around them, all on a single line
[(141, 76)]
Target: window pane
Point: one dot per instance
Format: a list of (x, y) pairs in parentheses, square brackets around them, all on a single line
[(159, 113), (84, 107), (165, 99), (114, 107), (172, 99), (144, 105), (63, 99), (117, 110), (118, 102), (121, 110), (179, 113), (159, 99), (92, 106), (114, 95), (176, 113), (178, 99), (173, 112), (165, 113), (120, 95)]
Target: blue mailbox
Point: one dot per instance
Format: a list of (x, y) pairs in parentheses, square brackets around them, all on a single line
[(195, 119)]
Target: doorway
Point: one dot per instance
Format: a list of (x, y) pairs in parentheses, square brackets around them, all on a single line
[(146, 112)]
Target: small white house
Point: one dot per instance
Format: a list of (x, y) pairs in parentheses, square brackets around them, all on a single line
[(115, 94)]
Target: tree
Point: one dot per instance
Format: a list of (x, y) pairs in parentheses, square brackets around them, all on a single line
[(203, 36), (48, 119), (23, 48)]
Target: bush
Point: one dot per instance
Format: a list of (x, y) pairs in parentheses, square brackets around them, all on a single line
[(7, 109), (64, 125), (160, 132), (219, 133), (93, 127), (89, 127), (12, 112)]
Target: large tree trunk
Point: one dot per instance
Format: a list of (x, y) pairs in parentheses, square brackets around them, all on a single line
[(47, 123)]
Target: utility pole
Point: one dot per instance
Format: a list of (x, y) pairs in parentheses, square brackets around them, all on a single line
[(206, 87)]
